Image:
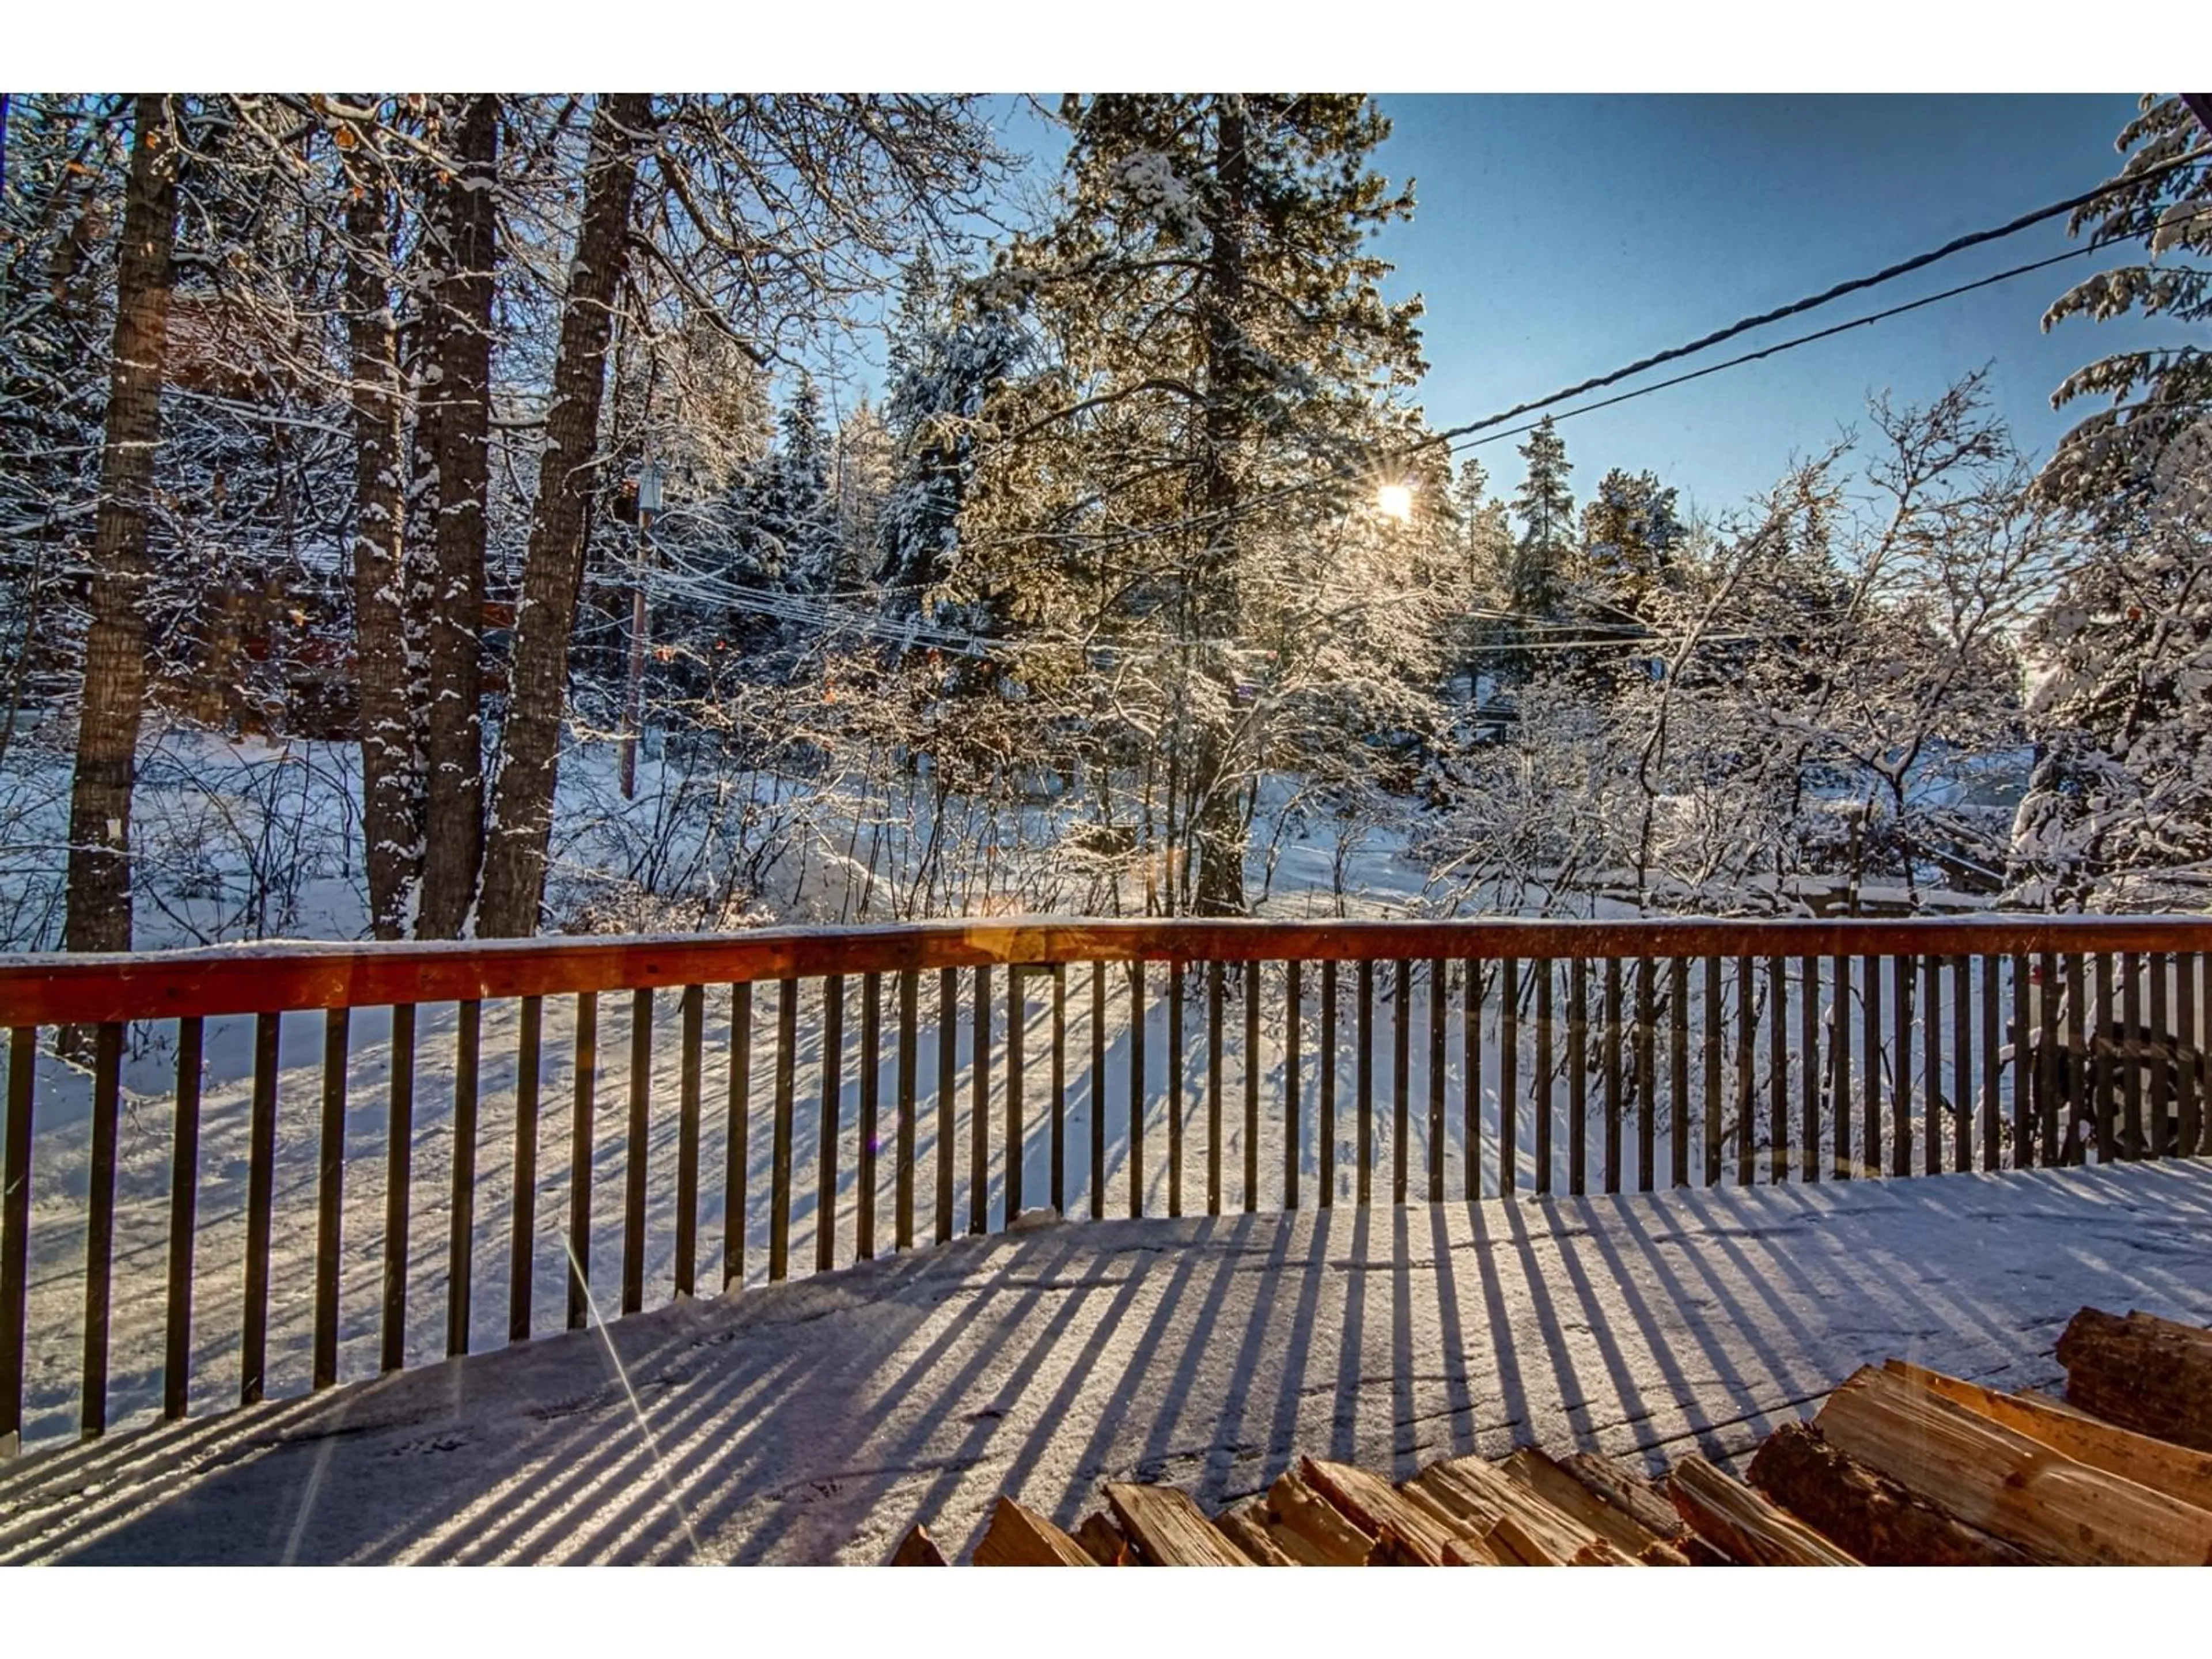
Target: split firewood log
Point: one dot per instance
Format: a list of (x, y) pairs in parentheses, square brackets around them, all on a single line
[(1019, 1537), (2144, 1373), (1172, 1530), (919, 1549), (1744, 1525), (1402, 1526), (1996, 1478), (1531, 1467), (1880, 1521), (1321, 1528), (2158, 1464)]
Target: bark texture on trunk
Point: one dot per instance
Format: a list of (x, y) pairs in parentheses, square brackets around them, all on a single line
[(1220, 821), (99, 895), (522, 797), (459, 449), (390, 748)]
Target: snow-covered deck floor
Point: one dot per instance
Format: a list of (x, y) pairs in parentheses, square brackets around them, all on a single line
[(816, 1421)]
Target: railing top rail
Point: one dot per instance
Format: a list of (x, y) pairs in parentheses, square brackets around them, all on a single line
[(53, 989)]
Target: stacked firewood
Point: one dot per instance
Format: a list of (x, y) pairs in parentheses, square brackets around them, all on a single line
[(1901, 1466)]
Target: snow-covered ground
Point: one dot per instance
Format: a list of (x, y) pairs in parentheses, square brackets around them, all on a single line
[(816, 1421)]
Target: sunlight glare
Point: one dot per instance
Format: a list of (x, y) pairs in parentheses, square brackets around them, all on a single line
[(1395, 500)]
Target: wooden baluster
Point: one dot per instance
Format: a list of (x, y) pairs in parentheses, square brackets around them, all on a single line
[(2027, 1070), (2094, 1057), (1840, 971), (1542, 969), (1990, 1044), (1870, 1155), (1293, 1025), (1900, 1097), (399, 1175), (693, 1009), (1438, 995), (1213, 995), (260, 1204), (580, 1158), (1401, 1056), (1509, 1076), (872, 1065), (1808, 980), (948, 1062), (2156, 1143), (1471, 1106), (1326, 1076), (1932, 1023), (1747, 1036), (183, 1190), (1365, 1078), (2189, 1105), (1136, 1089), (832, 1112), (979, 1107), (1647, 1110), (16, 1234), (1252, 1069), (460, 1230), (1777, 1070), (1678, 1071), (1175, 1088), (2068, 1094), (1577, 1077), (1614, 1072), (1713, 1109), (1097, 1091), (909, 1013), (1060, 1088), (636, 1151), (778, 1180), (736, 1150), (1016, 1136), (2131, 1126), (1962, 1064), (520, 1259), (99, 1231)]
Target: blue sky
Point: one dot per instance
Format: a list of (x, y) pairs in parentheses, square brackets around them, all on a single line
[(1558, 237)]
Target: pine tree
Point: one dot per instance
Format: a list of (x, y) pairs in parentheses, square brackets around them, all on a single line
[(1222, 334), (2158, 393), (1535, 595), (952, 351), (1630, 533)]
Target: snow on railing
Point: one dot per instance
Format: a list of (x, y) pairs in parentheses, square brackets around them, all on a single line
[(179, 1206)]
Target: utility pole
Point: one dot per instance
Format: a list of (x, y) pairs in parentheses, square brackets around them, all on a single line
[(648, 503)]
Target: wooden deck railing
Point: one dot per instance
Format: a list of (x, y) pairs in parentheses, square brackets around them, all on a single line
[(1645, 1053)]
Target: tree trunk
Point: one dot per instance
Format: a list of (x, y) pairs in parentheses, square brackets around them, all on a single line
[(390, 748), (522, 798), (99, 897), (1220, 823), (460, 351)]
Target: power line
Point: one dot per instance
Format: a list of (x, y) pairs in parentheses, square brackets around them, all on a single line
[(1887, 274), (1807, 339), (1856, 285)]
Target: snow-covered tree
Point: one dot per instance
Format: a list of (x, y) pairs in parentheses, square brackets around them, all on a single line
[(2118, 812), (2109, 461)]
